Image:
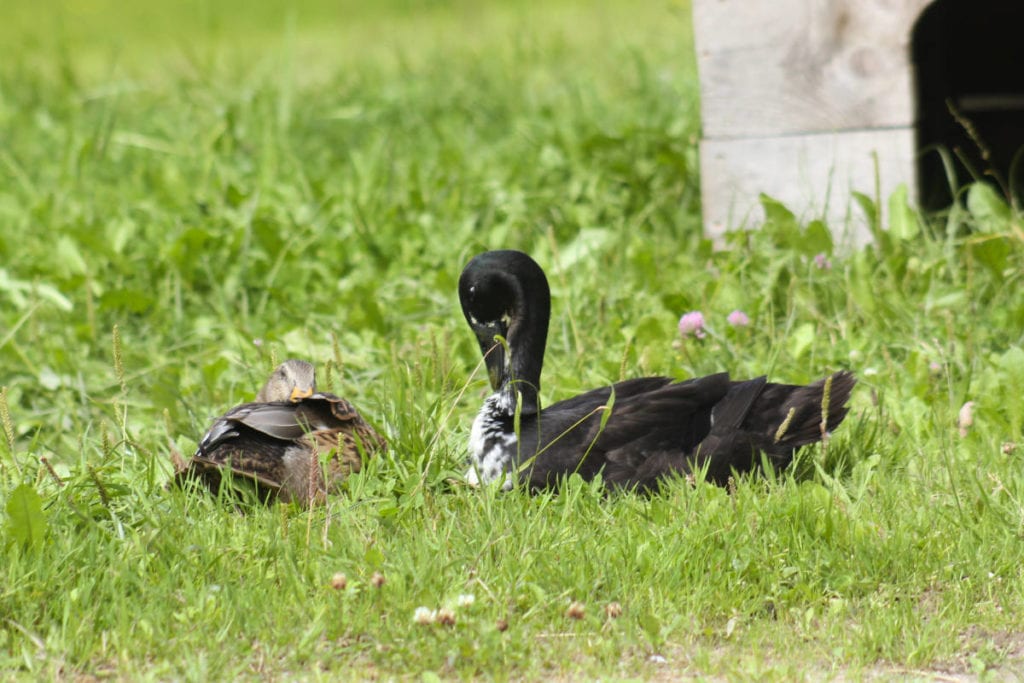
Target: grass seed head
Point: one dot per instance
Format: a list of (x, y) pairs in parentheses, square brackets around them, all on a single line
[(119, 359), (5, 419)]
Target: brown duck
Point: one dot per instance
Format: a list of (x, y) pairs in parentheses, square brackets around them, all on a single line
[(279, 441)]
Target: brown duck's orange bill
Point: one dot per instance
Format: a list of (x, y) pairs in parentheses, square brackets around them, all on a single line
[(299, 393)]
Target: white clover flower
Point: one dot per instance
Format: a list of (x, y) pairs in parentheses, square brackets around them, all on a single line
[(424, 616)]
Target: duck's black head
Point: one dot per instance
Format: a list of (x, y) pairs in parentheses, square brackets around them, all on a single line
[(505, 295)]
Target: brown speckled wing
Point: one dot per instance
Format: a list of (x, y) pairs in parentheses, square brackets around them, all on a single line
[(242, 465), (279, 447), (346, 437)]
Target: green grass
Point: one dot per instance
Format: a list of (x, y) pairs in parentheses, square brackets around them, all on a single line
[(190, 195)]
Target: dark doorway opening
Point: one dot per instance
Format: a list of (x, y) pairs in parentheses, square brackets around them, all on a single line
[(969, 66)]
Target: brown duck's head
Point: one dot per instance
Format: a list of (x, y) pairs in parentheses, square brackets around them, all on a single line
[(292, 380)]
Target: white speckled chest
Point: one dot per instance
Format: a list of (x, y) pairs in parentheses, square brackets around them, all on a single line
[(492, 445)]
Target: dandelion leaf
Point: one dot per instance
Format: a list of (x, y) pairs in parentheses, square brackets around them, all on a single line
[(26, 524)]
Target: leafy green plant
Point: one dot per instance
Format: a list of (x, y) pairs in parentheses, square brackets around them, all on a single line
[(26, 524)]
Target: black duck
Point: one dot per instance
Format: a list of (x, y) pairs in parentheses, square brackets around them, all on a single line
[(657, 426)]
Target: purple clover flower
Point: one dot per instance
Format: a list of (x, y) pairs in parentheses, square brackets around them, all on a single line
[(692, 323), (738, 319)]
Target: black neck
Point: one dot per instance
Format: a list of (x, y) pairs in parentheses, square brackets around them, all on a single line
[(527, 339), (505, 294)]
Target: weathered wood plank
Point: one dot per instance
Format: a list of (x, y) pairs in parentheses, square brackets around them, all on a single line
[(776, 67), (814, 175)]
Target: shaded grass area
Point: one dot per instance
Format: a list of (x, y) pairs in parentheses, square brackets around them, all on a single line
[(207, 190)]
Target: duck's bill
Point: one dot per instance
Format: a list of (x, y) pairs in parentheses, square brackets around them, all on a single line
[(299, 393), (494, 358)]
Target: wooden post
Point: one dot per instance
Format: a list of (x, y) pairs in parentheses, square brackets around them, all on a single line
[(806, 101)]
